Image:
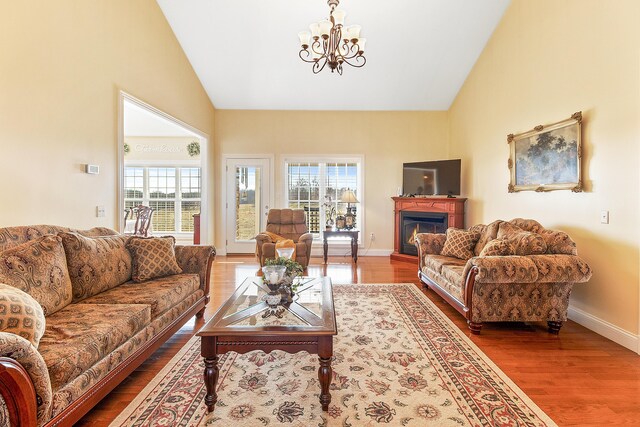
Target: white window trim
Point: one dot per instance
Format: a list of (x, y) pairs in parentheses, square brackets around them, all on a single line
[(331, 158)]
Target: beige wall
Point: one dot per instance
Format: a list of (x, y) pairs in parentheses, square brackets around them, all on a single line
[(61, 66), (546, 60), (386, 139)]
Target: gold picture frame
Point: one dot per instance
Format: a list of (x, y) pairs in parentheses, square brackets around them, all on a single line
[(548, 157)]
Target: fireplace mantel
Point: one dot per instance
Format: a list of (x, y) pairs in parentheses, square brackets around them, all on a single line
[(453, 207)]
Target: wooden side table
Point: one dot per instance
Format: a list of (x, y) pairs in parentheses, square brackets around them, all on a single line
[(353, 234)]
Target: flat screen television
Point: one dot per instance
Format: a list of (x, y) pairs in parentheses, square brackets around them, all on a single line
[(434, 178)]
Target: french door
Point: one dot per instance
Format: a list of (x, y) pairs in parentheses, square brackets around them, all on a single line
[(248, 198)]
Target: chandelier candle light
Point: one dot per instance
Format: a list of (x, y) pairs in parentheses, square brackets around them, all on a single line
[(330, 42)]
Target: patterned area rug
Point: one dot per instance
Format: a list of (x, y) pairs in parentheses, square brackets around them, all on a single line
[(398, 361)]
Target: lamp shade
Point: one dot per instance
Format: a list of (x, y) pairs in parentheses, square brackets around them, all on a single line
[(305, 37), (338, 16), (348, 196)]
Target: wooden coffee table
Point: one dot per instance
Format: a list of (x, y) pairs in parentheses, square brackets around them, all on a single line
[(245, 323)]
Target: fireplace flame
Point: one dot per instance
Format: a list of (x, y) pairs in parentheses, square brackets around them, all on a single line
[(412, 239)]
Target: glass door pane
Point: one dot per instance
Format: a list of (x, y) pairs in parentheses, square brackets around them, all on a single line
[(247, 197), (247, 201)]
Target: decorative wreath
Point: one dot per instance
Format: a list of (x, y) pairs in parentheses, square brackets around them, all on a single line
[(193, 148)]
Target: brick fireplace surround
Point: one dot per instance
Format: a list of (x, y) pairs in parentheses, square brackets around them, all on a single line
[(452, 207)]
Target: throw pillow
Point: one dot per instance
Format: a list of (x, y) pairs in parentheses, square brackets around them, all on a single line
[(524, 242), (20, 314), (153, 257), (96, 264), (460, 243), (39, 268), (498, 247), (487, 234)]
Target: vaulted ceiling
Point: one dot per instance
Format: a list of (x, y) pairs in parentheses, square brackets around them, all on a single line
[(419, 52)]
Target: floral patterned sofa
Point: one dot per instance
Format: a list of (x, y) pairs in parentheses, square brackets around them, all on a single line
[(80, 310), (503, 271)]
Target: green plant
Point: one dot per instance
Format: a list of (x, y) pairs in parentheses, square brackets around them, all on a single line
[(127, 148), (293, 268), (193, 148)]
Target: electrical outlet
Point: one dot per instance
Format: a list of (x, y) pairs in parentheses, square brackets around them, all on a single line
[(604, 217), (100, 211), (373, 237)]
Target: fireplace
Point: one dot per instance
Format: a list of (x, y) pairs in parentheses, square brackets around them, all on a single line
[(412, 223), (423, 215)]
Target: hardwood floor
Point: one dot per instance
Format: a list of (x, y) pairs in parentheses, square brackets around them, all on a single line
[(578, 377)]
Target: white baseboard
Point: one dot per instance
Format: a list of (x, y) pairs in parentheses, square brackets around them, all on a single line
[(606, 329), (375, 252)]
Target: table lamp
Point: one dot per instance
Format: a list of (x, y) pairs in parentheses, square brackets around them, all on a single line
[(348, 197)]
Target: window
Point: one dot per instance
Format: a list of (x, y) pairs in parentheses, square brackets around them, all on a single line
[(309, 184), (174, 193)]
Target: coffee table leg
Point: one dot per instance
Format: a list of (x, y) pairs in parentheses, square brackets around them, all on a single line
[(210, 381), (325, 373)]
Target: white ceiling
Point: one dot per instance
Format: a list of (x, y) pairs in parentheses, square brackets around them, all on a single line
[(141, 122), (419, 52)]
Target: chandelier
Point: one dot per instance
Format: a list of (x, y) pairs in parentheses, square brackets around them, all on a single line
[(330, 42)]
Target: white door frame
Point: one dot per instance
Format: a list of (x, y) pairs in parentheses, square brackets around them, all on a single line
[(205, 212), (223, 201)]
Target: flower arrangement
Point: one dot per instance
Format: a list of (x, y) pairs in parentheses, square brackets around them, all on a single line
[(329, 211), (293, 270)]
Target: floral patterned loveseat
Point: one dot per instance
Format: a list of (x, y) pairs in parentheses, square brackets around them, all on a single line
[(503, 271), (79, 312)]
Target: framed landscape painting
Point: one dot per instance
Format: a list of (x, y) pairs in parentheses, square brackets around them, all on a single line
[(547, 157)]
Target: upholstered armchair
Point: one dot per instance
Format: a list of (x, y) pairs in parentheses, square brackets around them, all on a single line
[(289, 224)]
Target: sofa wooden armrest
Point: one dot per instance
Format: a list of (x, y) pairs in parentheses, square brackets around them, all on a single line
[(25, 385)]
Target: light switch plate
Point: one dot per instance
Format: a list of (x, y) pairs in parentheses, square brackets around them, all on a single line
[(100, 211), (604, 217)]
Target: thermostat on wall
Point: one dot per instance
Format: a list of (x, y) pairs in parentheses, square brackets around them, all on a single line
[(92, 169)]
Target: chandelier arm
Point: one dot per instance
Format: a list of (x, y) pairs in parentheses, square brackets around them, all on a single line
[(357, 58), (352, 52), (315, 46), (317, 67), (308, 55)]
